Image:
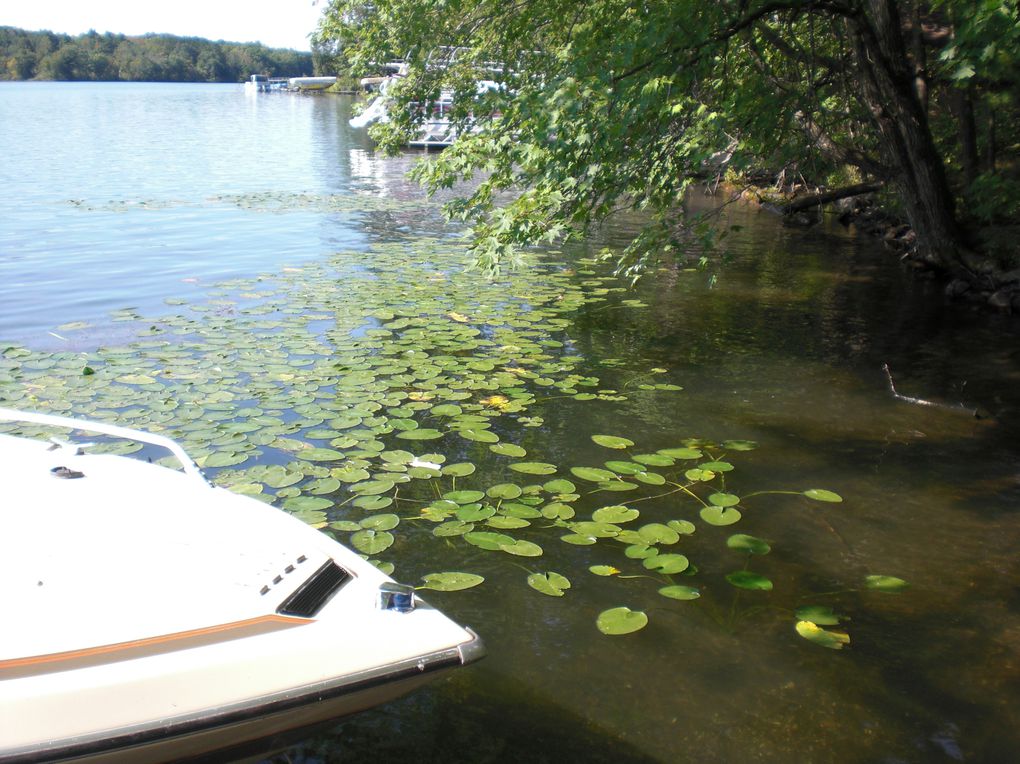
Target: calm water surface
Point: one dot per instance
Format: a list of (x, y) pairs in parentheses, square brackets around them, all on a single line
[(134, 197)]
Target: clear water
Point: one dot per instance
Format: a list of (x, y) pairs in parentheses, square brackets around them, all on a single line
[(134, 195)]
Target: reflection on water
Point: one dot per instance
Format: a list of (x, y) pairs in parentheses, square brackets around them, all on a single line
[(128, 195)]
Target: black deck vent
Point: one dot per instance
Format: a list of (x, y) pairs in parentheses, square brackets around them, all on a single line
[(314, 593)]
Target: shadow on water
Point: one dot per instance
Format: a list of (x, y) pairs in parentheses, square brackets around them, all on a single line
[(482, 719)]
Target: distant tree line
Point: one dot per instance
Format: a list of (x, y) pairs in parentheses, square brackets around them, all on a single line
[(108, 57)]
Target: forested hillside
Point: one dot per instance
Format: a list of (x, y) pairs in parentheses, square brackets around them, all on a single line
[(45, 55)]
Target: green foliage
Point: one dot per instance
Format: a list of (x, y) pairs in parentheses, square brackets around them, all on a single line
[(606, 106), (149, 58)]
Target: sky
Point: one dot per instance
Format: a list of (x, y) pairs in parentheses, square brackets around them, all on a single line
[(276, 23)]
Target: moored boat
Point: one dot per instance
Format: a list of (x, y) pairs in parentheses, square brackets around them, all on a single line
[(153, 617)]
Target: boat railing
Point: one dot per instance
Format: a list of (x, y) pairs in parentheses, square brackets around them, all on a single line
[(175, 448)]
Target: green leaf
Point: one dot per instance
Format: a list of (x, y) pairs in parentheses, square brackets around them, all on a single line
[(614, 514), (745, 543), (834, 640), (604, 570), (521, 548), (320, 455), (612, 441), (464, 497), (819, 614), (504, 491), (746, 579), (552, 584), (720, 516), (508, 449), (371, 541), (820, 494), (621, 620), (450, 582), (888, 584), (593, 474), (680, 592), (667, 563), (533, 468), (422, 433), (724, 499)]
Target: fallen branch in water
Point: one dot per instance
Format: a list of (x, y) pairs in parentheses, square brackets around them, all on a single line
[(958, 408)]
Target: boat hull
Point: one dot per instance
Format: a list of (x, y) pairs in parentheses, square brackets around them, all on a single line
[(153, 617)]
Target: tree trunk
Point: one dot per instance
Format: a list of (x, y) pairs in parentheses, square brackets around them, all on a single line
[(963, 107), (888, 90)]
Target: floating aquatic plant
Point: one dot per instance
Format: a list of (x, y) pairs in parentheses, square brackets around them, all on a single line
[(361, 403)]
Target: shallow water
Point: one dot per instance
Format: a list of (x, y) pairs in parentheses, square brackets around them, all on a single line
[(136, 198)]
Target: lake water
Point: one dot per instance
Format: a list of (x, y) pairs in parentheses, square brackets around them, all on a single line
[(172, 230)]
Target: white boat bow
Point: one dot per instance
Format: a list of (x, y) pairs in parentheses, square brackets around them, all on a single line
[(154, 617)]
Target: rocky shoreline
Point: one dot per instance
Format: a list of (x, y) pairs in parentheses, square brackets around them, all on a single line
[(982, 281)]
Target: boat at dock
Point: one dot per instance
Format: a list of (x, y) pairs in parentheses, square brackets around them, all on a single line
[(154, 617), (262, 83)]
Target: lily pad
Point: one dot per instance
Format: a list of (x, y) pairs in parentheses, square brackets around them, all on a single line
[(834, 640), (678, 592), (450, 582), (720, 516), (818, 614), (508, 449), (888, 584), (746, 579), (612, 441), (604, 570), (552, 584), (593, 474), (534, 468), (621, 620), (820, 494), (745, 543), (668, 564)]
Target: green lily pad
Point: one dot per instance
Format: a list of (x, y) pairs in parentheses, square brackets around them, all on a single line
[(746, 579), (739, 445), (504, 491), (481, 436), (667, 563), (681, 453), (745, 543), (888, 584), (552, 584), (724, 499), (490, 541), (306, 503), (604, 570), (657, 533), (508, 449), (320, 455), (720, 516), (612, 441), (834, 640), (371, 541), (384, 522), (522, 548), (464, 497), (450, 582), (533, 468), (422, 433), (559, 486), (615, 514), (621, 620), (683, 527), (678, 592), (818, 614), (593, 474), (820, 494)]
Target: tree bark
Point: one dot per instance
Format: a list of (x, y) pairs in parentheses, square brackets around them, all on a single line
[(815, 200), (888, 90)]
